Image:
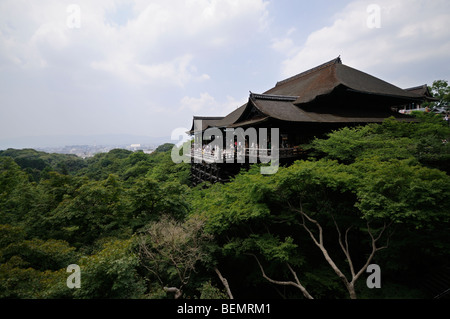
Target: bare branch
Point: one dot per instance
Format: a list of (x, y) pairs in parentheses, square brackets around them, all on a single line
[(299, 285), (284, 283), (374, 248), (320, 245), (303, 215), (346, 239), (344, 248), (168, 243), (224, 282)]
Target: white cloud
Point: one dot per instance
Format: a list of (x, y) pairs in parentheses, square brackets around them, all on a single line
[(150, 47), (207, 104), (128, 57), (176, 72), (286, 44), (411, 33), (203, 103)]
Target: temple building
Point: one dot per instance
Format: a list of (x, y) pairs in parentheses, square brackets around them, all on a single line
[(307, 105), (417, 106)]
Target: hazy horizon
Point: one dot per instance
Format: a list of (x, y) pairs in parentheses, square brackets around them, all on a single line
[(39, 142)]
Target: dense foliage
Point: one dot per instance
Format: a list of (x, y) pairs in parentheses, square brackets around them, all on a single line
[(371, 194)]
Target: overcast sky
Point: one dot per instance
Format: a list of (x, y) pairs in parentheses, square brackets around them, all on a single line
[(146, 67)]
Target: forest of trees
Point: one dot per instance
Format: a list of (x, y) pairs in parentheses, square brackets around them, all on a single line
[(375, 194)]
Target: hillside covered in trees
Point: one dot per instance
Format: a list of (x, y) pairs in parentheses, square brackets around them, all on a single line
[(376, 194)]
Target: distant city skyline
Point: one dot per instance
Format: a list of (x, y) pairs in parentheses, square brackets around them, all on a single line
[(42, 142), (74, 70), (85, 151)]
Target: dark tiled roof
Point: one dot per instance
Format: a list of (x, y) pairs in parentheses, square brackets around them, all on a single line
[(207, 121), (250, 122), (282, 110), (327, 77), (217, 121), (423, 91), (329, 93), (233, 116), (310, 71), (286, 111)]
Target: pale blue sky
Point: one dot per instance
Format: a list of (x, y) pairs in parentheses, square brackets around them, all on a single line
[(146, 67)]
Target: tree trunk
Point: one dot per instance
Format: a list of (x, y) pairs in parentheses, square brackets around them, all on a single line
[(351, 290)]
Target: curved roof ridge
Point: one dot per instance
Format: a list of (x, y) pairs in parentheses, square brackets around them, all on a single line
[(423, 86), (208, 117), (363, 82), (315, 69), (272, 97)]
